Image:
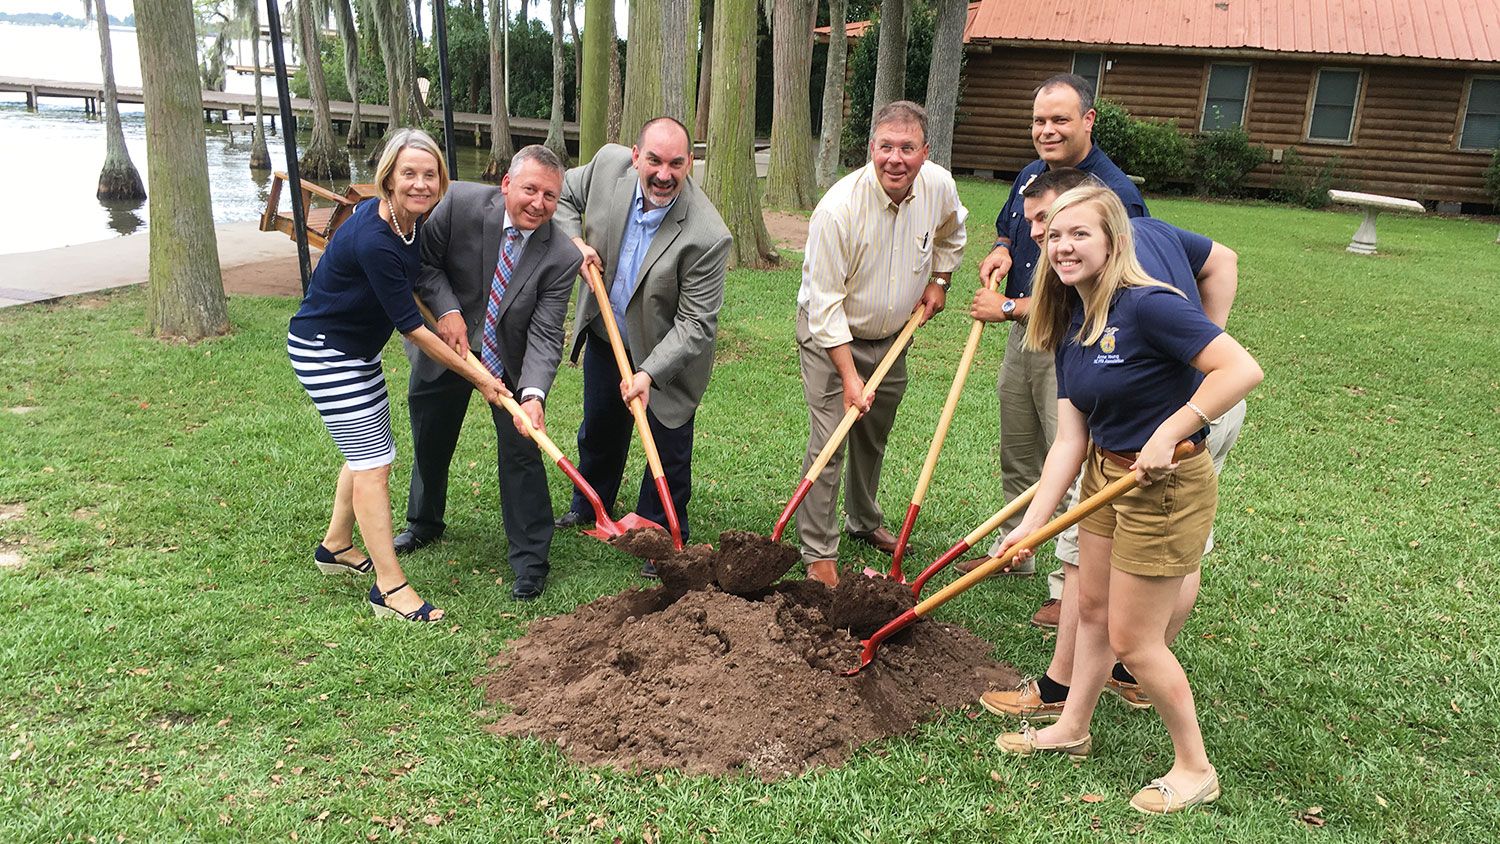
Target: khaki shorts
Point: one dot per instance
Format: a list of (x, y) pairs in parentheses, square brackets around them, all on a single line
[(1159, 530)]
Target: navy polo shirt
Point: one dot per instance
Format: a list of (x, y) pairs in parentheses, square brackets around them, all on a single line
[(362, 287), (1171, 254), (1012, 222), (1139, 372)]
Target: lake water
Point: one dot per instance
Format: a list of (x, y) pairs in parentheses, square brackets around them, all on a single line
[(54, 154)]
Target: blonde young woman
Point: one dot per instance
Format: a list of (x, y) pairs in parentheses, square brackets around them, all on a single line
[(360, 292), (1139, 370)]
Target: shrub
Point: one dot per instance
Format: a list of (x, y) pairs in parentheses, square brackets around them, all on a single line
[(1222, 159), (1303, 184), (1158, 152), (1112, 130), (1492, 178)]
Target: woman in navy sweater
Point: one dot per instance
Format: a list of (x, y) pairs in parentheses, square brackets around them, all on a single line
[(1139, 370), (360, 292)]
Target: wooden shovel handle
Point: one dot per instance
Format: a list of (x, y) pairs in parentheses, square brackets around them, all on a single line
[(622, 360), (509, 404)]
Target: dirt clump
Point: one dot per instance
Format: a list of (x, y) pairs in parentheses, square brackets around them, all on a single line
[(862, 605), (688, 569), (748, 563), (644, 542), (713, 682)]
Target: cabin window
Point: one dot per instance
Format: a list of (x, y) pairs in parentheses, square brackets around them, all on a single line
[(1334, 99), (1224, 103), (1482, 115), (1089, 66)]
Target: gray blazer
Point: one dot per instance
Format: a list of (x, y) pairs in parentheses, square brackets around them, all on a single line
[(673, 316), (460, 247)]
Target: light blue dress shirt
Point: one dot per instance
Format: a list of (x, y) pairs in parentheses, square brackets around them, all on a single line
[(640, 228)]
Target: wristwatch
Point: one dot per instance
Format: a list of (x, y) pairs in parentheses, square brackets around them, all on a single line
[(1008, 308), (940, 282)]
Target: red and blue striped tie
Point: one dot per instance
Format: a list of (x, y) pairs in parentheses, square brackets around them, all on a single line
[(490, 351)]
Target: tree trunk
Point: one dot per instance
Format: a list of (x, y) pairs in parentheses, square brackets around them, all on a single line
[(393, 29), (942, 78), (705, 70), (731, 183), (417, 17), (789, 181), (890, 63), (501, 148), (577, 60), (119, 178), (600, 76), (184, 290), (659, 66), (344, 18), (616, 106), (555, 140), (833, 95), (322, 160), (260, 157)]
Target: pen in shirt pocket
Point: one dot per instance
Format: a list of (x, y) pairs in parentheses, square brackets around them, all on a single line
[(925, 238)]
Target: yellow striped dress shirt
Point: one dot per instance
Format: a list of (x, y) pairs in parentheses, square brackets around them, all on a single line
[(868, 259)]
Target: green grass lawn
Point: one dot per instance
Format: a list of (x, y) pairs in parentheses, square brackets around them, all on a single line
[(175, 669)]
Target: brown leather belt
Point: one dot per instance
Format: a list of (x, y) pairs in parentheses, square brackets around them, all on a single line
[(1124, 459)]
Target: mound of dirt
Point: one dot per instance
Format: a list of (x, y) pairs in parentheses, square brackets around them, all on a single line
[(714, 683), (748, 562), (862, 605), (644, 542), (688, 569)]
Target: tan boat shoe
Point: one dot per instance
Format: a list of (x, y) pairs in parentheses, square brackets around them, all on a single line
[(1024, 701), (1134, 696), (1024, 743), (1159, 798)]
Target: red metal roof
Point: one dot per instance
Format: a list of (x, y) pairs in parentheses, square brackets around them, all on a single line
[(1444, 30)]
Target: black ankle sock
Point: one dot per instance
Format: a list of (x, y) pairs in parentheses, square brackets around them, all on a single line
[(1121, 675), (1051, 690)]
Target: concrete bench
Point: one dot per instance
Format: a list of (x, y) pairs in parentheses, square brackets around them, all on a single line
[(1373, 203)]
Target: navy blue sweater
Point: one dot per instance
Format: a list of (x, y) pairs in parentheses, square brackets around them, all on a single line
[(362, 288)]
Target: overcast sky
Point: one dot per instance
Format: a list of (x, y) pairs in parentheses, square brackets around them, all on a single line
[(121, 8)]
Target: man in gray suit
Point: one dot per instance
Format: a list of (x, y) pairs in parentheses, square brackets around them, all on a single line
[(498, 275), (661, 248)]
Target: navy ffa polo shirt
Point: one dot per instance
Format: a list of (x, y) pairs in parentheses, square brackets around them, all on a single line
[(1139, 372), (1012, 222), (362, 287)]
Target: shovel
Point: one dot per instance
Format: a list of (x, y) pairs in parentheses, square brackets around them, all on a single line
[(638, 410), (606, 528), (846, 423), (1114, 490), (945, 419), (1015, 506)]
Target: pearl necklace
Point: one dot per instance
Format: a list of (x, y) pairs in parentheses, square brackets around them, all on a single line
[(396, 223)]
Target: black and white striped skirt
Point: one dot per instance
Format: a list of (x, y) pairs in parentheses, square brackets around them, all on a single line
[(350, 394)]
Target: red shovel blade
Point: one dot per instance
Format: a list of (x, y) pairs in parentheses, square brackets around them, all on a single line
[(630, 521)]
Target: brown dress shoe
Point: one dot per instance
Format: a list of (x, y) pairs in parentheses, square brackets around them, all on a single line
[(880, 539), (1048, 615), (825, 572)]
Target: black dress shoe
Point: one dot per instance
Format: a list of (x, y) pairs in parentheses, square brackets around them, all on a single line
[(528, 589), (572, 519), (648, 571), (407, 542)]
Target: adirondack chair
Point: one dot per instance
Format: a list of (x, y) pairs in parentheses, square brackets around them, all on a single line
[(323, 219)]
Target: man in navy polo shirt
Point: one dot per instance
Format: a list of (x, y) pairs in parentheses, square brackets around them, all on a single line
[(1208, 274), (1062, 125)]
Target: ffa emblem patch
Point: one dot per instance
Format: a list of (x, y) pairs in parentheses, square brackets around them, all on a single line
[(1107, 342)]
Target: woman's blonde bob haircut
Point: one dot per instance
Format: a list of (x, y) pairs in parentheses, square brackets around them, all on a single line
[(408, 139), (1052, 301)]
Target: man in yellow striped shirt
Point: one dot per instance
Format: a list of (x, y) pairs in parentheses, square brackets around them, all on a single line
[(883, 243)]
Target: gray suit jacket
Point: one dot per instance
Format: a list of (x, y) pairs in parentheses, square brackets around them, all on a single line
[(673, 316), (460, 247)]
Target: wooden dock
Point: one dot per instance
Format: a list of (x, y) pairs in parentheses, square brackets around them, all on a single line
[(523, 130)]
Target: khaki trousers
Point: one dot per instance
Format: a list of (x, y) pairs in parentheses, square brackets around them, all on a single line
[(817, 518), (1028, 417)]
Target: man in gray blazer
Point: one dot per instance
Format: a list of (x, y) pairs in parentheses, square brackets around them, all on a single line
[(498, 275), (662, 248)]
